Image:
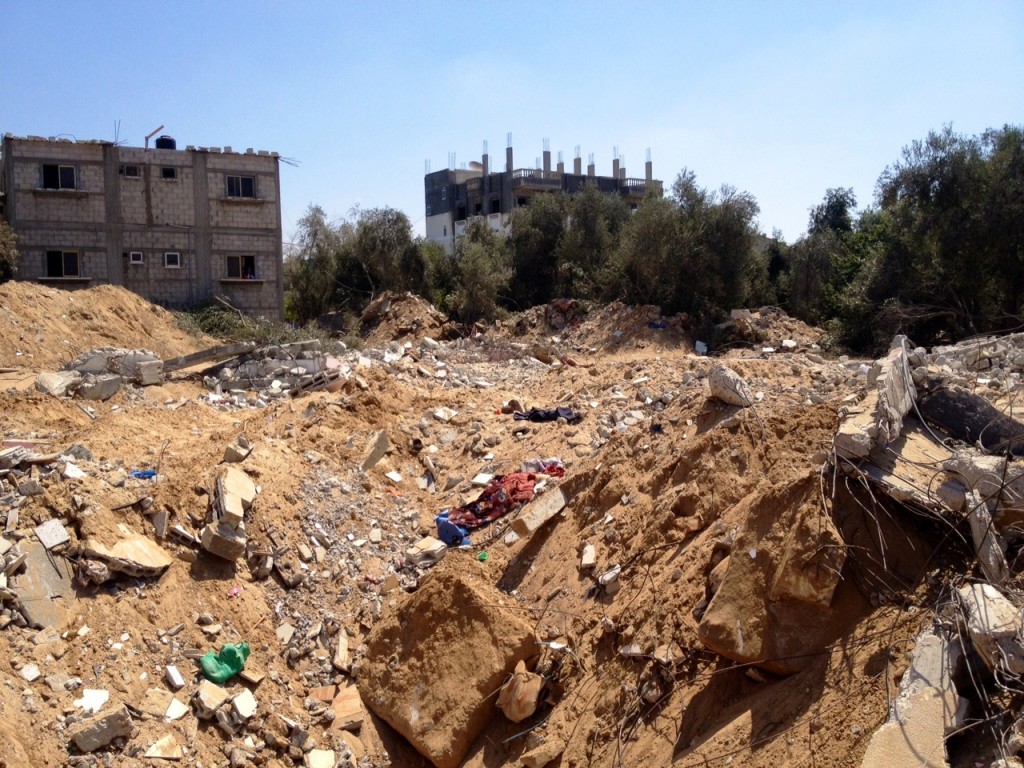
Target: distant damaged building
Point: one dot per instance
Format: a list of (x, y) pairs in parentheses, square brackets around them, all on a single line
[(175, 226), (454, 197)]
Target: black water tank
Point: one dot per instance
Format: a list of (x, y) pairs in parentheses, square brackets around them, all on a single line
[(166, 142)]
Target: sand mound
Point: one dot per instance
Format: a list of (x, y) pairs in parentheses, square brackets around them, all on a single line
[(43, 327), (399, 317)]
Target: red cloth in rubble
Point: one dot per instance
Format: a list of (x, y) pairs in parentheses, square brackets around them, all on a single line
[(502, 495)]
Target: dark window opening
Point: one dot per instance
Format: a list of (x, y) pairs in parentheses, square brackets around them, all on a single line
[(59, 177), (130, 171), (134, 257), (168, 172), (477, 209), (62, 264), (242, 267), (495, 206), (444, 193), (521, 201), (446, 230), (172, 260), (460, 213), (241, 186)]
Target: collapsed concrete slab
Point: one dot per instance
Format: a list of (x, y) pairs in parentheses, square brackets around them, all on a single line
[(927, 709), (878, 420), (99, 731), (233, 496), (538, 512), (99, 386), (438, 697), (59, 383), (133, 554)]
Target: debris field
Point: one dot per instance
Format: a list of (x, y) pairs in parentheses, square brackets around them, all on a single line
[(566, 539)]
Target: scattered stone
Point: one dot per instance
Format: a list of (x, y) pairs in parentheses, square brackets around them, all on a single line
[(538, 512), (379, 445), (165, 748), (208, 699), (102, 386), (93, 699), (995, 626), (426, 551)]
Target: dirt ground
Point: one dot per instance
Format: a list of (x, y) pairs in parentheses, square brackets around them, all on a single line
[(661, 479)]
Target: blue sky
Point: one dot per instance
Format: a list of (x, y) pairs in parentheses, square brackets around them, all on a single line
[(782, 100)]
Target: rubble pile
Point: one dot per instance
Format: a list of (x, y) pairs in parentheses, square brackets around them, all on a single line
[(766, 558)]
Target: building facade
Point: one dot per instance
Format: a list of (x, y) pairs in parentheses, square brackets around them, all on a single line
[(178, 227), (453, 198)]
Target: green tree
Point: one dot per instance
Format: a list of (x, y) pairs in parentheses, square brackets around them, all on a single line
[(482, 273), (534, 233), (310, 267), (643, 268), (8, 252), (595, 220)]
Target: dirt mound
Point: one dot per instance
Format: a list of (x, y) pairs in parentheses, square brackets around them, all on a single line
[(43, 327), (399, 317), (768, 327)]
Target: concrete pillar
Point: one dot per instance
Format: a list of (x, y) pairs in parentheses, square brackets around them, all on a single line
[(577, 166), (202, 239), (547, 160), (508, 159), (112, 228), (560, 167), (649, 171), (591, 170), (615, 168), (279, 272)]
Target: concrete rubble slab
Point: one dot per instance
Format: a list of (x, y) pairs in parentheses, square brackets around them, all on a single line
[(995, 626), (538, 512), (165, 748), (52, 533), (98, 731), (100, 386), (378, 447), (133, 554), (348, 709), (44, 587), (58, 384), (222, 540), (234, 494)]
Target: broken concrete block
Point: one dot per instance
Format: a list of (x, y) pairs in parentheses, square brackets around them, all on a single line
[(538, 512), (165, 748), (995, 625), (223, 541), (100, 730), (45, 594), (320, 758), (442, 727), (101, 386), (58, 384), (234, 454), (208, 699), (134, 555), (988, 545), (244, 705), (426, 551), (342, 659), (348, 709), (150, 372), (589, 557), (379, 445), (234, 494), (727, 386)]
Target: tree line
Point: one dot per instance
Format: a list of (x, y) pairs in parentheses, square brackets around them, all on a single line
[(938, 254)]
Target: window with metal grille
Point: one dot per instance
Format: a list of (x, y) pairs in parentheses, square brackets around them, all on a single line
[(172, 260)]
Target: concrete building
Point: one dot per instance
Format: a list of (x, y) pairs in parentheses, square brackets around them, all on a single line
[(455, 197), (175, 226)]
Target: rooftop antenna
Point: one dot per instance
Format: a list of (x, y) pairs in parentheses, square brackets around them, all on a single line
[(577, 151), (485, 146), (648, 154), (547, 145), (615, 153), (117, 130), (151, 135), (426, 166), (508, 140)]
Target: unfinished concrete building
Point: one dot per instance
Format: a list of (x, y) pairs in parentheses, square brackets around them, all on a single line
[(454, 197), (178, 227)]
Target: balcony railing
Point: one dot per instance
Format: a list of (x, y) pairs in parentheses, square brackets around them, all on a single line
[(531, 177)]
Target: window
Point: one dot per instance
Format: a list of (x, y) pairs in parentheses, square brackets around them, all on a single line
[(169, 172), (242, 267), (135, 257), (495, 205), (59, 177), (444, 193), (477, 209), (62, 264), (172, 260), (460, 213), (241, 186), (446, 230), (130, 171)]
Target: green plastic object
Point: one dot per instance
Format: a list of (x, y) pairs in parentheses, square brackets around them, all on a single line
[(222, 666), (482, 557)]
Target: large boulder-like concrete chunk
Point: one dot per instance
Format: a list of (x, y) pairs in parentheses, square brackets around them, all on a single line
[(781, 597), (729, 387), (432, 667), (538, 512), (57, 383)]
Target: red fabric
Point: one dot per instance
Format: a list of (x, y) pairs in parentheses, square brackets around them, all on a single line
[(502, 495)]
